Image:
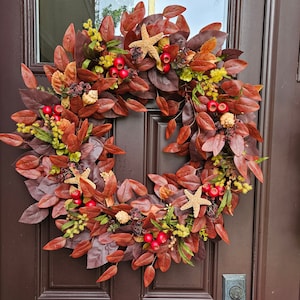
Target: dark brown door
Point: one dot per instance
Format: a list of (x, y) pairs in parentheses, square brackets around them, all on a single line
[(264, 232)]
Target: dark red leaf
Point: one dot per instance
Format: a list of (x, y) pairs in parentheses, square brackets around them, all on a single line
[(28, 77), (135, 105), (256, 170), (47, 201), (28, 162), (61, 59), (172, 11), (115, 256), (69, 39), (184, 134), (149, 275), (205, 121), (222, 233), (107, 28), (145, 259), (235, 66), (109, 273), (170, 128), (122, 239), (163, 105), (11, 139), (81, 248)]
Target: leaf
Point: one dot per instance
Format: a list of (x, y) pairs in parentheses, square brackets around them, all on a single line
[(28, 77), (158, 179), (236, 143), (60, 161), (82, 132), (214, 144), (170, 128), (11, 139), (184, 134), (149, 275), (61, 59), (33, 214), (164, 261), (212, 26), (246, 105), (88, 110), (253, 131), (256, 170), (55, 244), (163, 105), (145, 259), (107, 28), (100, 130), (172, 11), (135, 105), (28, 162), (138, 187), (81, 249), (86, 75), (232, 87), (24, 116), (125, 192), (235, 66), (205, 121), (69, 39), (115, 257), (122, 239), (241, 165), (222, 233), (31, 173), (109, 273), (47, 201), (113, 149)]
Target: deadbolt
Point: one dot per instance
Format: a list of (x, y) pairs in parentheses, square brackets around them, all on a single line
[(236, 293)]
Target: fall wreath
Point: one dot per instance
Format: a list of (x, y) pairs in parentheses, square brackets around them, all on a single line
[(67, 131)]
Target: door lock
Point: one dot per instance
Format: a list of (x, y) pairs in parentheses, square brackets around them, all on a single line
[(234, 287)]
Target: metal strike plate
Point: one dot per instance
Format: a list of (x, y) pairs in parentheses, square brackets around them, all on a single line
[(234, 286)]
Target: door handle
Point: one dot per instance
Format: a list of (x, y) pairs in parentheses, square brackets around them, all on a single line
[(234, 287)]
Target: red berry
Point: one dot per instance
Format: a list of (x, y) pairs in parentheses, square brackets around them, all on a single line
[(213, 192), (47, 110), (212, 105), (166, 68), (206, 187), (56, 117), (223, 107), (57, 109), (119, 62), (91, 203), (221, 190), (154, 245), (148, 237), (113, 72), (165, 57), (77, 201), (123, 73), (161, 237), (76, 194)]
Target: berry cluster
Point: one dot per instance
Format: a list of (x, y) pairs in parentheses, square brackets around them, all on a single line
[(155, 243), (76, 195), (214, 106), (55, 112), (118, 69), (213, 191)]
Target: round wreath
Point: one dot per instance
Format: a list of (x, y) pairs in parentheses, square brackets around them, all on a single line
[(66, 129)]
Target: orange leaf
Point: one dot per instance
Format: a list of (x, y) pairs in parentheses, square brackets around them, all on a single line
[(184, 134), (213, 26), (105, 104), (145, 259), (163, 105), (81, 134), (69, 39), (49, 70), (11, 139), (135, 105), (113, 149), (73, 143), (138, 187), (61, 59), (149, 275), (24, 116), (172, 11), (232, 87), (55, 244), (235, 66), (109, 273), (28, 162), (209, 45), (107, 28), (164, 261), (86, 187), (28, 77), (60, 161), (100, 130), (88, 110), (81, 248), (170, 128), (86, 75), (246, 105), (222, 233), (205, 121), (122, 239), (241, 165), (115, 256), (31, 174)]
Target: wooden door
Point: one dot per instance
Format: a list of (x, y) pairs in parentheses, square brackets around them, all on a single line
[(264, 232)]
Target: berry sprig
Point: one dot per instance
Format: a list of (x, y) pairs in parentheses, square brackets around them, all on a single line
[(161, 238)]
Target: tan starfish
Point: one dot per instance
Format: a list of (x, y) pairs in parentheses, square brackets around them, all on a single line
[(147, 44), (195, 201), (77, 176)]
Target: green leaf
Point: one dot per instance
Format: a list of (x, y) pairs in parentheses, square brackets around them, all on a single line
[(67, 225), (225, 201), (157, 225), (112, 43), (182, 248), (43, 135)]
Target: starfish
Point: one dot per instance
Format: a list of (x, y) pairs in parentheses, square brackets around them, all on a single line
[(195, 201), (77, 177), (147, 44)]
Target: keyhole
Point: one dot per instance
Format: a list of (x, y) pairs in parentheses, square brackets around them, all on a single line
[(236, 293)]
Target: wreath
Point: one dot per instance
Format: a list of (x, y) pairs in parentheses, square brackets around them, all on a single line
[(66, 130)]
